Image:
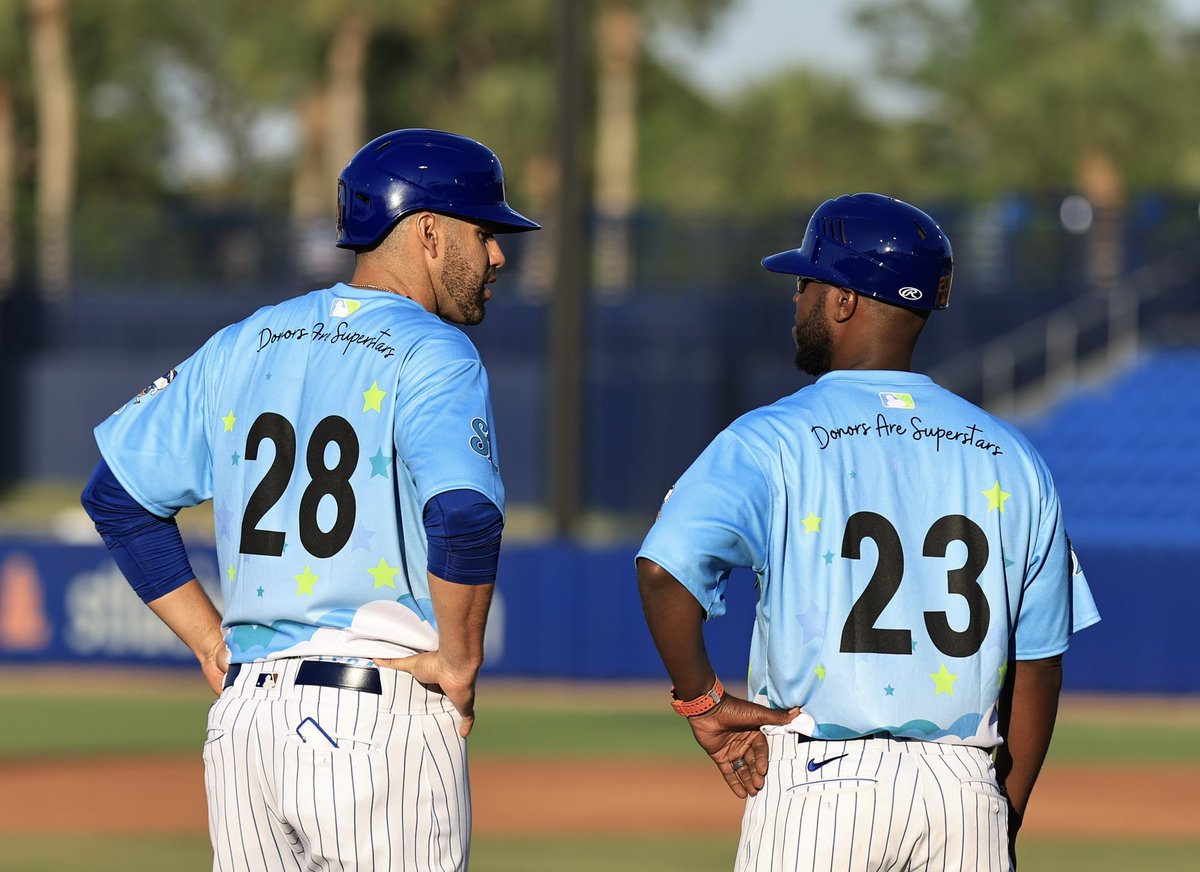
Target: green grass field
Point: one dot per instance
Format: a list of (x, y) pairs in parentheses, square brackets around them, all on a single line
[(53, 721)]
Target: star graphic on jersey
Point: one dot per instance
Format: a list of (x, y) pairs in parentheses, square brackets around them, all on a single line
[(379, 464), (373, 397), (889, 690), (236, 457), (828, 555), (229, 420), (385, 576), (943, 681), (820, 671), (260, 593), (853, 474), (812, 624), (231, 572), (221, 519), (812, 524), (1003, 671), (914, 644), (360, 539), (1007, 563), (305, 581), (268, 376), (996, 497)]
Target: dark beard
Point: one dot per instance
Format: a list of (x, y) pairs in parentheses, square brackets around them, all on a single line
[(814, 345), (462, 286)]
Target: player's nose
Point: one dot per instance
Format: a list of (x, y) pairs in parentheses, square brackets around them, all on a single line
[(495, 254)]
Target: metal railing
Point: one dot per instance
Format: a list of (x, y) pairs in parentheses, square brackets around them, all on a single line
[(1027, 368)]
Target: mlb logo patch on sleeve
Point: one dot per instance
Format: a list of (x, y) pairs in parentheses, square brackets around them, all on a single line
[(892, 400)]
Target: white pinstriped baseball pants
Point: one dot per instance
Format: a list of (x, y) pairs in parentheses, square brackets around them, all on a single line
[(322, 778), (877, 805)]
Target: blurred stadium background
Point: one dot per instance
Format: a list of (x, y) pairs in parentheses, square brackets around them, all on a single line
[(167, 167)]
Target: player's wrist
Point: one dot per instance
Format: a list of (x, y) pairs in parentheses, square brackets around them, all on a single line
[(702, 704)]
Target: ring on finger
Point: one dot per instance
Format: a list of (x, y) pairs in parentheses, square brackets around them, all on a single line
[(738, 764)]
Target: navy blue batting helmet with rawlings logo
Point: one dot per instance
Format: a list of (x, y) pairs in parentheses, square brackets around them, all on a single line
[(415, 170), (876, 245)]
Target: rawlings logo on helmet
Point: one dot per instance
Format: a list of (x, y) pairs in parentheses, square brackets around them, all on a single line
[(910, 293)]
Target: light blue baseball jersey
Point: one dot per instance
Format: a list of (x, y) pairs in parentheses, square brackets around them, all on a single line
[(319, 428), (907, 545)]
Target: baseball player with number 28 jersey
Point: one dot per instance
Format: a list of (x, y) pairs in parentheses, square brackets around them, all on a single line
[(345, 439), (916, 588)]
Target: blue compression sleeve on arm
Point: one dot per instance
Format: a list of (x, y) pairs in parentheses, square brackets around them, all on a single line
[(463, 528), (147, 549)]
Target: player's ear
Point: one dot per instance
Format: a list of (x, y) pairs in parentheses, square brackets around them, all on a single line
[(844, 303), (428, 233)]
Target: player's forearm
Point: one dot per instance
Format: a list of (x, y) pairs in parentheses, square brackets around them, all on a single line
[(676, 622), (461, 611), (191, 615), (1031, 715)]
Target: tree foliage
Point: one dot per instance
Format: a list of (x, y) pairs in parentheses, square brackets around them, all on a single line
[(1025, 92)]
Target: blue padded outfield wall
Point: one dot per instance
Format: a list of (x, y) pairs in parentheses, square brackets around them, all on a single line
[(567, 611)]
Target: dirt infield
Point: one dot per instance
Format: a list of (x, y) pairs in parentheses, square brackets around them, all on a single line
[(139, 795)]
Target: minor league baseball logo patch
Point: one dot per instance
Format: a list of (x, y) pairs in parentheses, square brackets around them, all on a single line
[(481, 442), (670, 491), (157, 385)]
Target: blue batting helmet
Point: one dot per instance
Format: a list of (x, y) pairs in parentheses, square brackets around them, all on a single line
[(416, 170), (875, 245)]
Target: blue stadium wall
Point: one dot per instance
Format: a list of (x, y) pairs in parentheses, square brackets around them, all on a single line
[(567, 611)]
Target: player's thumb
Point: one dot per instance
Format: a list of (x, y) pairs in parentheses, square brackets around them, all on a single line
[(744, 714), (403, 664), (778, 717)]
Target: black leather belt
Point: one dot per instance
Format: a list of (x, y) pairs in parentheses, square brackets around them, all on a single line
[(326, 673)]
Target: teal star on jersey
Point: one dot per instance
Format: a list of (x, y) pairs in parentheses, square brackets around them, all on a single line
[(828, 555), (379, 464), (889, 690), (853, 474), (235, 458), (260, 593)]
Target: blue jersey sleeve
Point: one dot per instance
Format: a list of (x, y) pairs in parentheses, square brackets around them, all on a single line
[(443, 426), (157, 444), (1055, 599), (715, 519)]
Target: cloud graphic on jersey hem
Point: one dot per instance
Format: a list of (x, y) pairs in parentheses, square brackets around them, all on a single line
[(963, 728)]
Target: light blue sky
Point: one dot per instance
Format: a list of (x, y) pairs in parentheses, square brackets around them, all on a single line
[(756, 38)]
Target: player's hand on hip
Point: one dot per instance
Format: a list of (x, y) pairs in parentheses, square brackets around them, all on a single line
[(730, 734), (430, 668), (214, 664)]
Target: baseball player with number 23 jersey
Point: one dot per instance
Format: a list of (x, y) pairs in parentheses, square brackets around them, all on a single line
[(345, 439), (916, 588)]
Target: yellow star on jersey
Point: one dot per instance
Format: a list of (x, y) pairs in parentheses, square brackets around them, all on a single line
[(373, 397), (943, 681), (232, 573), (820, 671), (1003, 670), (229, 421), (996, 497), (385, 576), (812, 524), (305, 582)]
